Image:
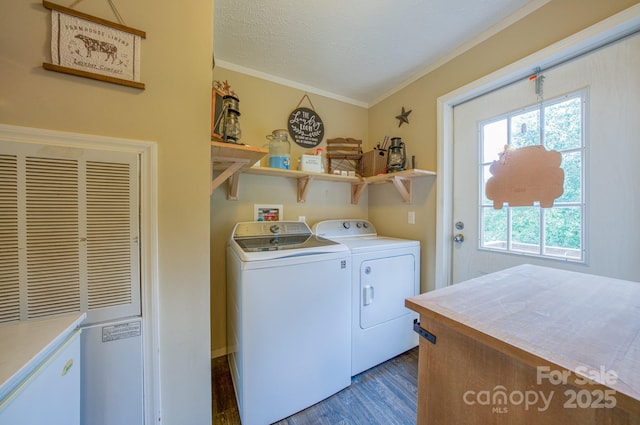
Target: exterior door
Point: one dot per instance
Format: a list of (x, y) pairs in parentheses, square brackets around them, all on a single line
[(602, 169)]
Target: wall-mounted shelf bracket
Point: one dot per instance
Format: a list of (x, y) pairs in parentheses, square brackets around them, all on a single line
[(232, 186), (357, 189), (404, 187), (230, 171), (303, 187), (232, 159)]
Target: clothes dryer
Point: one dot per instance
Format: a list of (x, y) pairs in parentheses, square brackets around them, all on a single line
[(385, 271)]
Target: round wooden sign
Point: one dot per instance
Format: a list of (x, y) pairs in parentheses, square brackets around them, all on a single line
[(306, 127)]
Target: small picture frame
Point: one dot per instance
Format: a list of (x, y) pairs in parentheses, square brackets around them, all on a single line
[(268, 212), (216, 112)]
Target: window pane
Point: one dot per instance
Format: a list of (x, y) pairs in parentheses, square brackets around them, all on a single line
[(525, 229), (562, 228), (562, 124), (494, 138), (494, 228), (525, 129), (486, 175), (571, 164)]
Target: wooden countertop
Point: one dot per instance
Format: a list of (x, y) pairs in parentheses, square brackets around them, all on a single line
[(577, 321), (24, 345)]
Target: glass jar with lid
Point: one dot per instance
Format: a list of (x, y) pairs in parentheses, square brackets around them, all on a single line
[(279, 149)]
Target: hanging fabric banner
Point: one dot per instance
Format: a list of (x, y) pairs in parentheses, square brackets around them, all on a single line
[(91, 47)]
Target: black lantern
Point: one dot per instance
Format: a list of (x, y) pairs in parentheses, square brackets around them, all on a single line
[(396, 156), (228, 119)]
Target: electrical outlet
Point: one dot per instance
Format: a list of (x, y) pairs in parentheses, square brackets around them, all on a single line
[(302, 218), (411, 217)]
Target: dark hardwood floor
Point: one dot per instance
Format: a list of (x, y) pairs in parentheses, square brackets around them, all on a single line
[(385, 395)]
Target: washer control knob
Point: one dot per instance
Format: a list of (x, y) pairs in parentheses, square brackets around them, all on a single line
[(346, 225), (274, 228)]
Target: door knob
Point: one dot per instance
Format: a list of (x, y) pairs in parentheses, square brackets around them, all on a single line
[(459, 238)]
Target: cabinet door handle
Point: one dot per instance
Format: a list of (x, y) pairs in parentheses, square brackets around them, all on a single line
[(67, 366)]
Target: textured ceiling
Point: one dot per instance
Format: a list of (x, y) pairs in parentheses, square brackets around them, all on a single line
[(358, 50)]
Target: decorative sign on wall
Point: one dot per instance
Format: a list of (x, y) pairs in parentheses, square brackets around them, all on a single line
[(91, 47), (305, 126)]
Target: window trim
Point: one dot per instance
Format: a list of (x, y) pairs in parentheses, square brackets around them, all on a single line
[(583, 95)]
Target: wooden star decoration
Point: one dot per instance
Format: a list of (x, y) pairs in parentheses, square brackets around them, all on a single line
[(403, 117), (224, 88)]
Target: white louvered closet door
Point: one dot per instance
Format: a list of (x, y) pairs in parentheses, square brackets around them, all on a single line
[(68, 232)]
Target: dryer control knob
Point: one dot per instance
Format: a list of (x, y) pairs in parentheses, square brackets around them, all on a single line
[(359, 225), (346, 225)]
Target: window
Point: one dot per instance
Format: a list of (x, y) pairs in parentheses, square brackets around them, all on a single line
[(556, 232)]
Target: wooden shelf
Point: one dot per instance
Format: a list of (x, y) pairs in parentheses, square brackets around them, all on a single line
[(234, 159), (402, 181), (231, 159), (304, 178)]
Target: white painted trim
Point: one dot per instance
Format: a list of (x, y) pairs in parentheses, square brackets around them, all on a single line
[(147, 152), (218, 352), (289, 83), (597, 35), (150, 281)]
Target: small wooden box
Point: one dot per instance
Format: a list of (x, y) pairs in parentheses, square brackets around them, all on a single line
[(374, 162)]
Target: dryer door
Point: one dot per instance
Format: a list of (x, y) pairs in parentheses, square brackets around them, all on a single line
[(384, 285)]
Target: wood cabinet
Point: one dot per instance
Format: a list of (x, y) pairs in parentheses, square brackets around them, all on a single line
[(230, 160), (530, 345)]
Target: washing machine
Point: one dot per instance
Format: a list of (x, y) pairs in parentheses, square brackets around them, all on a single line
[(385, 271), (288, 299)]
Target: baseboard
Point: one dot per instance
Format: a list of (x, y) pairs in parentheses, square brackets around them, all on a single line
[(218, 352)]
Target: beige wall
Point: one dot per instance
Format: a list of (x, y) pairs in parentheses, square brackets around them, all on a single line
[(554, 21), (265, 106), (173, 111)]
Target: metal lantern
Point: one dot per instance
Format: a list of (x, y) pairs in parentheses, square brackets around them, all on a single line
[(228, 120), (396, 156)]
